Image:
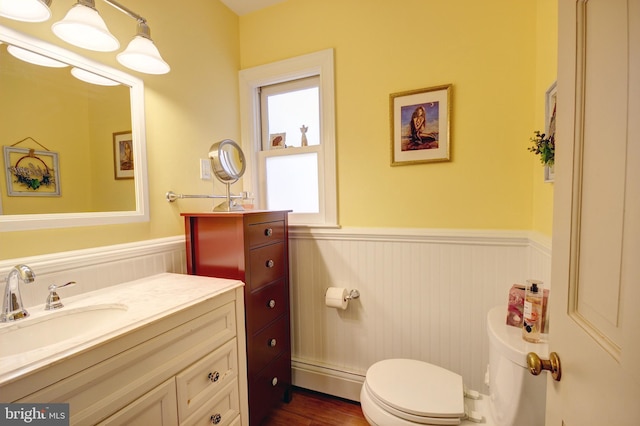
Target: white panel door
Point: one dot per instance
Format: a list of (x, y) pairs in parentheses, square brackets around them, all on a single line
[(595, 301)]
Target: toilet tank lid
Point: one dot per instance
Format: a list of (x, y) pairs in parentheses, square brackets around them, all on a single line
[(417, 387), (508, 341)]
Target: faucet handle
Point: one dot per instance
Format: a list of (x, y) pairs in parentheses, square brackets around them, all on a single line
[(53, 300)]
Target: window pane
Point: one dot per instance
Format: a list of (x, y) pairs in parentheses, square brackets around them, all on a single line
[(292, 183), (289, 112)]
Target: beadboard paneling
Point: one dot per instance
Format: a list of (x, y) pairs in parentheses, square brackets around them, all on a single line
[(97, 268), (424, 295)]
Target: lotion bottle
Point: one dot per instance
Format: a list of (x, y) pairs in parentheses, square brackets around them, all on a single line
[(532, 320)]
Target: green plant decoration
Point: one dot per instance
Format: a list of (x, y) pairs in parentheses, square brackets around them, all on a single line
[(544, 147)]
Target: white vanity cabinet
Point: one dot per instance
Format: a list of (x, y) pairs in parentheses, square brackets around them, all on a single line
[(188, 368)]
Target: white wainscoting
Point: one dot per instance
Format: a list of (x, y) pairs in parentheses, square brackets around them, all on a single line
[(424, 295), (99, 267)]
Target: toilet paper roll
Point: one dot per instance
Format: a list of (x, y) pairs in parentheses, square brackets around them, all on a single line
[(336, 297)]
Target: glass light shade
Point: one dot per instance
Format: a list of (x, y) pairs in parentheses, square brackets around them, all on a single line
[(89, 77), (34, 58), (143, 56), (84, 27), (26, 10)]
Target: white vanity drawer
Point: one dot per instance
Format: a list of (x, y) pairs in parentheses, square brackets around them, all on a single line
[(157, 407), (221, 410), (199, 383)]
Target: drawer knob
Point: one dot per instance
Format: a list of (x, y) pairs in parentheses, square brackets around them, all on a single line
[(272, 342), (268, 232), (216, 418), (213, 377), (274, 381), (272, 303), (270, 263)]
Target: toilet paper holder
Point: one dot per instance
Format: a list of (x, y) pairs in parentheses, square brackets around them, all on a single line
[(353, 294)]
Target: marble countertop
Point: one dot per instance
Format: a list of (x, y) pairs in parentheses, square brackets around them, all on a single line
[(146, 300)]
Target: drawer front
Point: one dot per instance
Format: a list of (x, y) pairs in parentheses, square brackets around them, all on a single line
[(267, 265), (265, 233), (222, 410), (267, 345), (157, 407), (202, 380), (265, 305), (268, 388)]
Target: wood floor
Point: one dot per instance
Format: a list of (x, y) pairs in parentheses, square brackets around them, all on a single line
[(308, 408)]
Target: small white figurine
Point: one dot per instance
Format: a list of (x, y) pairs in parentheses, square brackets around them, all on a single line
[(304, 129)]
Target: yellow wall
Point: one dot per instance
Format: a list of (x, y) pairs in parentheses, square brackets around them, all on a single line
[(546, 70), (488, 51), (187, 110)]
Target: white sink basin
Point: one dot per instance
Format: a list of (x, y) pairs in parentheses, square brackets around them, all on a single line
[(35, 333)]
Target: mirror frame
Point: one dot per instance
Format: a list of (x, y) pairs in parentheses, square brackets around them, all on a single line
[(216, 154), (25, 222)]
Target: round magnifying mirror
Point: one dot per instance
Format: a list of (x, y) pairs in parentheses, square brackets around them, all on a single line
[(228, 164)]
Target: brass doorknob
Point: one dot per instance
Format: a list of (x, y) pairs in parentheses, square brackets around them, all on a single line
[(536, 365)]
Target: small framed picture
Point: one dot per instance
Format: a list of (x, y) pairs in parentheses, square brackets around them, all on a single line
[(277, 140), (123, 155), (420, 129), (551, 96)]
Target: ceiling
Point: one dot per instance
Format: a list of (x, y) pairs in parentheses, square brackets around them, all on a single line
[(242, 7)]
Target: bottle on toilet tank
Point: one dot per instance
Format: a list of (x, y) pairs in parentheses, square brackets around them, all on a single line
[(532, 320)]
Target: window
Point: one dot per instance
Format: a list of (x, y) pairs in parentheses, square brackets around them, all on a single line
[(279, 103)]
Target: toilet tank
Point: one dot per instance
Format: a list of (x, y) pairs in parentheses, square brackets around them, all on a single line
[(516, 397)]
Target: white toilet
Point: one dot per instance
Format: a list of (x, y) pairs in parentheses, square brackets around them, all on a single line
[(399, 392)]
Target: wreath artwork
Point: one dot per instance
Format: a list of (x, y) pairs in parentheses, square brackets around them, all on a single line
[(32, 176), (30, 172)]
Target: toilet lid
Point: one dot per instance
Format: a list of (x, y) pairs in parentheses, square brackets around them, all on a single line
[(417, 388)]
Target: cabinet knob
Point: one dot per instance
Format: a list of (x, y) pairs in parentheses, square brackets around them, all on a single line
[(268, 232), (272, 303), (270, 263), (213, 377), (274, 381), (272, 342), (216, 418)]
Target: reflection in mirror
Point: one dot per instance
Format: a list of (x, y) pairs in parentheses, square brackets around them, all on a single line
[(47, 113)]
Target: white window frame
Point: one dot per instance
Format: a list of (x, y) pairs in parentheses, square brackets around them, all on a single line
[(251, 79)]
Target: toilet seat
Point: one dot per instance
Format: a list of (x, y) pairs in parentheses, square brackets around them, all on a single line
[(416, 391)]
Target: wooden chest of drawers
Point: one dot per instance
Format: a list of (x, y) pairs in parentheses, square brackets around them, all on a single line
[(251, 246)]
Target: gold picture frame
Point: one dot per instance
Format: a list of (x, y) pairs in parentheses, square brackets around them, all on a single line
[(123, 162), (420, 125)]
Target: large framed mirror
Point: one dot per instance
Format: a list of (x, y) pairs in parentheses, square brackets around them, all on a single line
[(96, 133)]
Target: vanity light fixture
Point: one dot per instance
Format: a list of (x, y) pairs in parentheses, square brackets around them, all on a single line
[(83, 27), (142, 55), (34, 58), (26, 10), (89, 77)]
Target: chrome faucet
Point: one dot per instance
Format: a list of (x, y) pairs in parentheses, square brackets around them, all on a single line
[(12, 308)]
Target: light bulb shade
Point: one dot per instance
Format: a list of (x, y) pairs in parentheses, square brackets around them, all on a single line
[(143, 56), (89, 77), (26, 10), (84, 27), (34, 58)]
